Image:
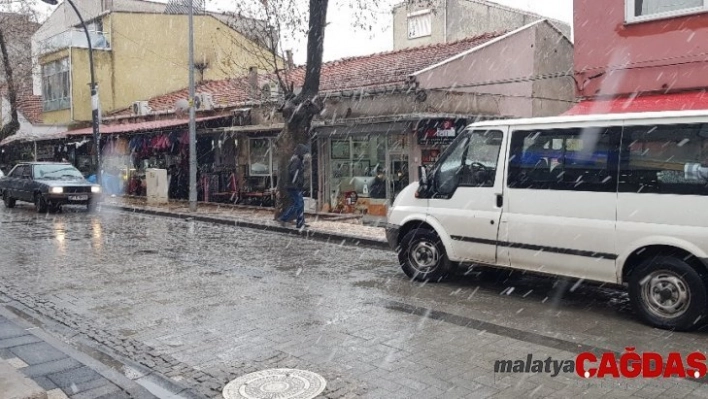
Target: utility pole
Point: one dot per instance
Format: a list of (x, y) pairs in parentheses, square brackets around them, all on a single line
[(192, 127), (94, 93)]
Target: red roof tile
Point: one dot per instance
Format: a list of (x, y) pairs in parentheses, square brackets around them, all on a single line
[(29, 105), (696, 100), (346, 74), (31, 108), (389, 67)]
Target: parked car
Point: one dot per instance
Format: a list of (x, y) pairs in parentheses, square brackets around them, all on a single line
[(48, 185)]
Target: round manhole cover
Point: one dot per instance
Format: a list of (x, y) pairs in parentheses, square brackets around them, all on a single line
[(276, 384)]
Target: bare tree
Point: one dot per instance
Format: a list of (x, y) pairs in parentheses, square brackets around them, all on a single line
[(301, 101), (17, 24)]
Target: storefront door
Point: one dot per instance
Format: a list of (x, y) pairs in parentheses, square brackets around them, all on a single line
[(397, 174)]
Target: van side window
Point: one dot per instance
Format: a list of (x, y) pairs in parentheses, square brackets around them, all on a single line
[(565, 159), (670, 159)]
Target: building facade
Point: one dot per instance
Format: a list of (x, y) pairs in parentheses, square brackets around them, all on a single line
[(641, 55), (423, 22), (139, 52)]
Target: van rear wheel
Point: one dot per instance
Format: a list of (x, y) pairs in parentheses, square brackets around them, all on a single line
[(669, 293), (422, 256)]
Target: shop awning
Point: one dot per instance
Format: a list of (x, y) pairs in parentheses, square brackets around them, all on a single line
[(32, 137), (688, 101), (141, 126)]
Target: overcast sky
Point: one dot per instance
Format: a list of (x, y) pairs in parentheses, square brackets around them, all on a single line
[(342, 40)]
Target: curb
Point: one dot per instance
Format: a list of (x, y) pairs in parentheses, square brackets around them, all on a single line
[(317, 235)]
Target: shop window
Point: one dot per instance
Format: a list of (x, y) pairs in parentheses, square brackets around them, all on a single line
[(419, 24), (358, 166), (260, 157), (644, 10), (56, 85)]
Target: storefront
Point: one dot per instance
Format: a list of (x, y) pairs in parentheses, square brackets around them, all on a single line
[(365, 164)]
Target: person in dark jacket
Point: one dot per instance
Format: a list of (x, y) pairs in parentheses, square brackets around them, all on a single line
[(295, 186)]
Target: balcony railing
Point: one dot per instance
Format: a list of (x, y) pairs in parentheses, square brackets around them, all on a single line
[(75, 38)]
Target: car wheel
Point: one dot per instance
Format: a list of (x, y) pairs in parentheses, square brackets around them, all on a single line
[(53, 208), (40, 204), (91, 206), (8, 201), (422, 256), (669, 293)]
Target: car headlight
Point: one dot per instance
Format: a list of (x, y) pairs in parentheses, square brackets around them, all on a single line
[(95, 189), (56, 190)]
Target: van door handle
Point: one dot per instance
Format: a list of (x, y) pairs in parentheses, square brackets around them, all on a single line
[(500, 200)]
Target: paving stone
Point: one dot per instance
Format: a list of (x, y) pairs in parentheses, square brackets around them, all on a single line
[(45, 383), (18, 341), (37, 353), (97, 392), (16, 363), (115, 395), (56, 394), (77, 380), (52, 367), (10, 330)]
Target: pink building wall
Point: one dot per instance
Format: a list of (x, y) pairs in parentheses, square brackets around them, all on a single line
[(614, 58)]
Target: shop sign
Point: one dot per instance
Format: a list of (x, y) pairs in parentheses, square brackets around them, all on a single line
[(439, 131), (429, 157)]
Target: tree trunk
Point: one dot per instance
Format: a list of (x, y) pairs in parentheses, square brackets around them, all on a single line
[(298, 111), (14, 125)]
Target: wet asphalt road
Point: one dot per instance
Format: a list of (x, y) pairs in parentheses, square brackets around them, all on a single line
[(217, 297)]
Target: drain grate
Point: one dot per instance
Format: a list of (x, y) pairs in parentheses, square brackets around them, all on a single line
[(276, 383)]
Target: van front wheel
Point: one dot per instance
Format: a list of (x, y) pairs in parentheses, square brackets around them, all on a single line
[(422, 256), (668, 293)]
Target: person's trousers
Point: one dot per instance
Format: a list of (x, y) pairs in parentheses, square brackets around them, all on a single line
[(296, 209)]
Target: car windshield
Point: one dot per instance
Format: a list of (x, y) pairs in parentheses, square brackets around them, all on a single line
[(57, 172)]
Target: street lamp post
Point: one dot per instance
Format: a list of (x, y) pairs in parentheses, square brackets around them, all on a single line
[(192, 127), (94, 92)]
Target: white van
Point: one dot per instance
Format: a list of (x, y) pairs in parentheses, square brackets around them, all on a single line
[(617, 198)]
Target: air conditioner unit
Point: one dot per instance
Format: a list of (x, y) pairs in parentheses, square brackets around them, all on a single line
[(203, 102), (274, 90), (141, 108)]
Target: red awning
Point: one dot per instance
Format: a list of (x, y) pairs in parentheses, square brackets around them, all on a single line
[(140, 126), (688, 101)]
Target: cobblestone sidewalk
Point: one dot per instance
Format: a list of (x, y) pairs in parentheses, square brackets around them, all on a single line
[(61, 375), (349, 228)]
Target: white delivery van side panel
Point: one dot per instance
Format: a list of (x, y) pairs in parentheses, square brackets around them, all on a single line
[(663, 185), (561, 199), (662, 219), (563, 232)]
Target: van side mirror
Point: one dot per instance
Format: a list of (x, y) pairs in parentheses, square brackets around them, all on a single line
[(423, 175)]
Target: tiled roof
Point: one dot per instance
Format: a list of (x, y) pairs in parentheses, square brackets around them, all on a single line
[(368, 71), (224, 92), (140, 126), (29, 105), (389, 67)]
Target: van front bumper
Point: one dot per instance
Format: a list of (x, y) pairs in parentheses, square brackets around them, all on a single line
[(392, 231)]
